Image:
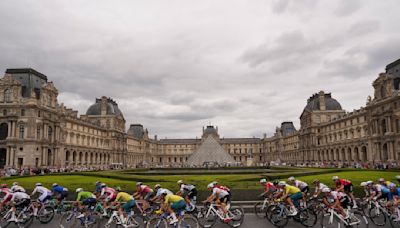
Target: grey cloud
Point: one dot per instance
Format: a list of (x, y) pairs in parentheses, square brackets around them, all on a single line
[(364, 27), (346, 8)]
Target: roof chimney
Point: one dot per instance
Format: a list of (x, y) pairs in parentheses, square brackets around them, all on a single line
[(322, 105)]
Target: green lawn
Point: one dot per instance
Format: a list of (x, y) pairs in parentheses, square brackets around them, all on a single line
[(234, 181)]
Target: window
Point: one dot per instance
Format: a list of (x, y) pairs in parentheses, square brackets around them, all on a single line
[(50, 133), (21, 131), (22, 112), (38, 114), (38, 133), (4, 112), (7, 95)]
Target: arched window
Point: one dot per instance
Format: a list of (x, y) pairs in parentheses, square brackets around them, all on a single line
[(383, 91), (4, 112), (7, 95), (50, 133), (21, 131), (3, 131)]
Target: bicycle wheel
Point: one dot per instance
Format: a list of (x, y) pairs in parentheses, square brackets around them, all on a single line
[(377, 216), (67, 220), (307, 217), (259, 210), (188, 221), (25, 219), (279, 218), (326, 221), (135, 221), (238, 216), (394, 221), (357, 219), (206, 220), (156, 222), (46, 214), (269, 211)]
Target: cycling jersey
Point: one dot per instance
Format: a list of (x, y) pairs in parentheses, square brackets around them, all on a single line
[(381, 188), (123, 197), (161, 189), (171, 199), (7, 195), (291, 190), (144, 189), (300, 184), (109, 193), (219, 193), (223, 188), (17, 188), (270, 187), (396, 193), (84, 195), (45, 194), (19, 196), (59, 189), (187, 188), (343, 182), (320, 187)]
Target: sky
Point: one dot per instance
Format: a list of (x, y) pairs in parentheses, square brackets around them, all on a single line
[(175, 66)]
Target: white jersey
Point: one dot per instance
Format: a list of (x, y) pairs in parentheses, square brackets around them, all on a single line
[(187, 187), (42, 190), (17, 188), (161, 189), (300, 184), (18, 196), (219, 193), (320, 187)]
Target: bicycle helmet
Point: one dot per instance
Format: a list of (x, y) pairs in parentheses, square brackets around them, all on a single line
[(210, 185), (316, 181), (398, 177), (38, 184), (381, 179), (335, 178), (370, 182), (392, 186), (139, 183), (103, 185), (179, 182), (118, 189), (4, 186), (276, 182), (15, 184), (291, 179), (164, 192), (325, 190), (263, 181), (282, 183), (157, 186), (363, 184), (79, 190)]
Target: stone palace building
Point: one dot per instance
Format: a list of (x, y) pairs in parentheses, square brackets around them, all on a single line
[(37, 131)]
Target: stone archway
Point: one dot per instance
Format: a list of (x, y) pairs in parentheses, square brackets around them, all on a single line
[(385, 153), (67, 157), (3, 157), (364, 154), (49, 157), (3, 131), (356, 154)]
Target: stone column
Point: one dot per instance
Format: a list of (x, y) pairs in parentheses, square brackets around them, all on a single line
[(389, 124), (8, 156)]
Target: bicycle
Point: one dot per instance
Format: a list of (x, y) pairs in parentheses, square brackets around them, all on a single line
[(260, 208), (74, 216), (379, 214), (332, 219), (133, 220), (280, 216), (164, 220), (207, 216), (24, 218)]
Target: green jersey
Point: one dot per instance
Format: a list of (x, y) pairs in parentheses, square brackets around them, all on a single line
[(84, 195)]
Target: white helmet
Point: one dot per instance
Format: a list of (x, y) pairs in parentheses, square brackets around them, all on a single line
[(398, 177), (334, 178), (138, 183), (282, 183), (157, 186), (55, 184), (38, 184), (325, 190), (164, 192), (210, 185), (15, 184), (79, 190), (291, 179), (381, 179), (363, 184), (263, 181), (179, 182), (370, 182)]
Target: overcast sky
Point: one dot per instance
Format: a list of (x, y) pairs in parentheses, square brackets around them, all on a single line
[(173, 66)]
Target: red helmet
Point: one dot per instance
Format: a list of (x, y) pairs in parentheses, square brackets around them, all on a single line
[(3, 186)]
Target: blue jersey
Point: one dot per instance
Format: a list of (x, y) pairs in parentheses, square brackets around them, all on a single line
[(396, 192), (384, 189), (98, 188), (59, 189)]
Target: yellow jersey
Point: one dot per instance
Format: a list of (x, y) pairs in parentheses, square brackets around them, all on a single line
[(123, 197), (291, 190), (172, 199)]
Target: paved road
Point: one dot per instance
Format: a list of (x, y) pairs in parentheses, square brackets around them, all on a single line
[(251, 221)]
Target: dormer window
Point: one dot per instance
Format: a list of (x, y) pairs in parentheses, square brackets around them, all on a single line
[(7, 95)]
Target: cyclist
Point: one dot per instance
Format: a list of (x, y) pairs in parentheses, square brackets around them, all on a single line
[(98, 188), (7, 195), (19, 200), (291, 195), (221, 197), (60, 192), (381, 192), (85, 198), (44, 193), (398, 178), (172, 204), (16, 187), (127, 201), (158, 189), (145, 193), (383, 182), (303, 186), (318, 187), (269, 187), (343, 185), (395, 193), (108, 194), (336, 200), (188, 191), (364, 185)]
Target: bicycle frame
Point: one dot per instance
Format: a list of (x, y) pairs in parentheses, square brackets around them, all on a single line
[(212, 208), (333, 214)]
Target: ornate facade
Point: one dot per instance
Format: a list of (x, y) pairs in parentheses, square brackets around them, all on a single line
[(35, 130)]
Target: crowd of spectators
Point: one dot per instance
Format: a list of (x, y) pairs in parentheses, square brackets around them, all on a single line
[(31, 171), (355, 165)]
